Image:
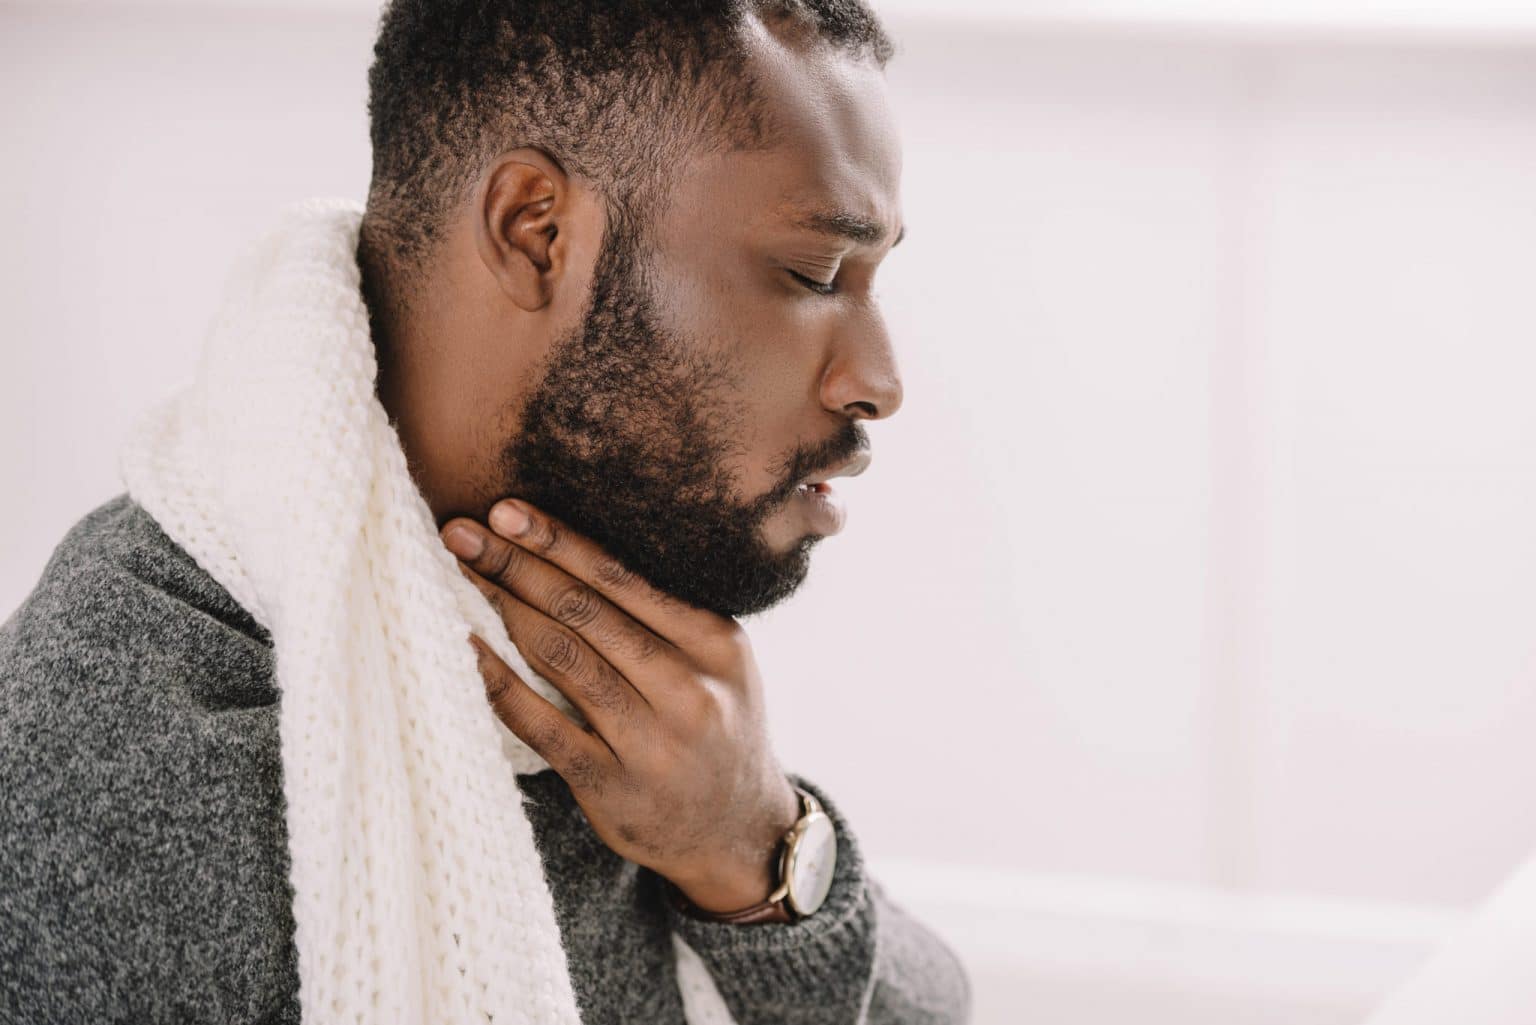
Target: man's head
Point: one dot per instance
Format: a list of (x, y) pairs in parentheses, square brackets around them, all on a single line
[(596, 249)]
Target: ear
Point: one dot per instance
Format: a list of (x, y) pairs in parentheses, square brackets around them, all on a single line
[(523, 202)]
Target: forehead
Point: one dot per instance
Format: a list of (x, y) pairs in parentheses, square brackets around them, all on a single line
[(838, 155)]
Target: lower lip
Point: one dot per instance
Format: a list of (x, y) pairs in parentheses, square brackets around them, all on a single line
[(823, 508)]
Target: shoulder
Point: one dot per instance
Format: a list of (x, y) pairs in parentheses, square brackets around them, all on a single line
[(120, 603), (116, 564), (141, 823)]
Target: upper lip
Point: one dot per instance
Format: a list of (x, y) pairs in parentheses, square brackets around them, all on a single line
[(852, 468)]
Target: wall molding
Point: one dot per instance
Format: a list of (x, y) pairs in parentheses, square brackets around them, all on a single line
[(1016, 931)]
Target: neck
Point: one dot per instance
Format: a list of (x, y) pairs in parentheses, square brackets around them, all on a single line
[(454, 355), (422, 389)]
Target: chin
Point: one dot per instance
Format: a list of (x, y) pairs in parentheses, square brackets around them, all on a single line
[(772, 586)]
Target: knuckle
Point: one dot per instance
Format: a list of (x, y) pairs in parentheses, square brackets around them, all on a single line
[(612, 574), (558, 650), (495, 596), (577, 606), (606, 693), (644, 645), (583, 772), (498, 683), (500, 560), (630, 784), (548, 737), (546, 535), (701, 713)]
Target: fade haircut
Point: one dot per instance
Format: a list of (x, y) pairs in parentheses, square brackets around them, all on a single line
[(612, 92)]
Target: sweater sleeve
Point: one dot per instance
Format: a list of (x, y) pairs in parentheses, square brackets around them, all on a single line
[(860, 959)]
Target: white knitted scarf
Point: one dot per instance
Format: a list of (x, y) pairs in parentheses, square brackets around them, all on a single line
[(419, 893)]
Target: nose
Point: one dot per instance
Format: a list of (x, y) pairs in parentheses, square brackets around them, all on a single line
[(861, 379)]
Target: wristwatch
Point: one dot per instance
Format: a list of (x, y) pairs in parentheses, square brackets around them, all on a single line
[(807, 858)]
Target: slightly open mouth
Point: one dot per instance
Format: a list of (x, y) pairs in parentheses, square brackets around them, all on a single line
[(813, 489)]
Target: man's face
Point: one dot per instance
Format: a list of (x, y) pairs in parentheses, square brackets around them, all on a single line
[(709, 376)]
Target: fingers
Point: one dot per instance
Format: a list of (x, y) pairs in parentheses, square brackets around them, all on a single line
[(615, 635), (582, 558), (582, 759), (607, 700)]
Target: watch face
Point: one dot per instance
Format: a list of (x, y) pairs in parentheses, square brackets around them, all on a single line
[(812, 863)]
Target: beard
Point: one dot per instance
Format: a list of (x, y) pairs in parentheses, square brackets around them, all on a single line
[(626, 436)]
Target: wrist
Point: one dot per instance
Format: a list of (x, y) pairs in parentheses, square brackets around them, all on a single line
[(806, 868), (723, 892), (723, 885)]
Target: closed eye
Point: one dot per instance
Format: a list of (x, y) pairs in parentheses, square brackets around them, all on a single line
[(819, 287)]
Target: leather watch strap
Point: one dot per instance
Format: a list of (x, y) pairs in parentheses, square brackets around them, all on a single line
[(767, 911), (771, 910)]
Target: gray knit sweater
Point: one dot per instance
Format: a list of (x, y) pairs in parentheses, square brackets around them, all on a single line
[(143, 849)]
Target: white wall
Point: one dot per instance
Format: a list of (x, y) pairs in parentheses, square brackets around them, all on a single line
[(1220, 361), (1202, 550)]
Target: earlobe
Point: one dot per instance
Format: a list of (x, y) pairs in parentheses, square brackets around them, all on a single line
[(518, 212)]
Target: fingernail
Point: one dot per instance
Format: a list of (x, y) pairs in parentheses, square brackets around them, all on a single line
[(509, 520), (463, 541)]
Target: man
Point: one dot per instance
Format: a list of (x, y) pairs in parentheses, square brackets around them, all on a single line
[(618, 264)]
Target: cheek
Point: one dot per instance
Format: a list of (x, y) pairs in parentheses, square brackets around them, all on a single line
[(771, 343), (778, 416), (742, 308)]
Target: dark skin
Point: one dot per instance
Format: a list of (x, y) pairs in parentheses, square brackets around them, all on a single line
[(675, 769)]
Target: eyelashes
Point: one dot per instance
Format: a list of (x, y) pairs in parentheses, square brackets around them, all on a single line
[(819, 287)]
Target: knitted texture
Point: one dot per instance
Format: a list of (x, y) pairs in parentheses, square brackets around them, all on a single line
[(419, 894)]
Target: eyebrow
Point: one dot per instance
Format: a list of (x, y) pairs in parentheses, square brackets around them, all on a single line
[(842, 224)]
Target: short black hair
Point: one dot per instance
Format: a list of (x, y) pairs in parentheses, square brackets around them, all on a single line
[(608, 90)]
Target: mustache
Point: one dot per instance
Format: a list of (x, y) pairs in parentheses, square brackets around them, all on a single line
[(826, 455)]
